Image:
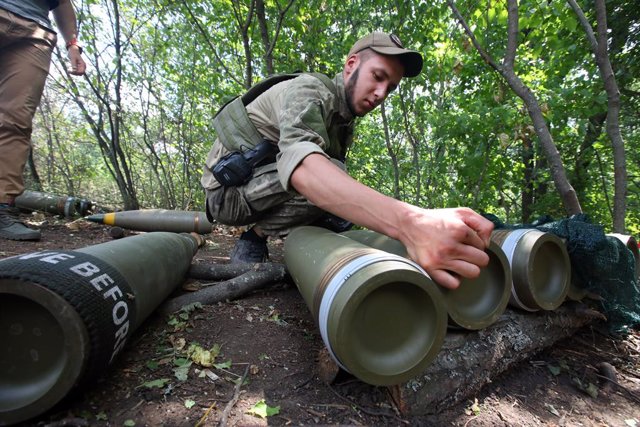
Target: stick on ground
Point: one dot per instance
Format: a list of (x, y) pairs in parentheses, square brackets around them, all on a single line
[(258, 276)]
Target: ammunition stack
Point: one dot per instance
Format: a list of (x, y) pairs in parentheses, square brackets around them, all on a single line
[(381, 316)]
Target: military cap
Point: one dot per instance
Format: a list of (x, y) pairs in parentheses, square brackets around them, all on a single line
[(390, 44)]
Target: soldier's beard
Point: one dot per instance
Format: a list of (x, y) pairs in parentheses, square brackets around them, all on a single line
[(350, 88)]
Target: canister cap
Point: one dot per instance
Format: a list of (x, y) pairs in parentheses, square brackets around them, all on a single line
[(477, 303), (386, 323)]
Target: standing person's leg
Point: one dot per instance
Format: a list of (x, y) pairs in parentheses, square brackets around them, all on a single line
[(25, 55)]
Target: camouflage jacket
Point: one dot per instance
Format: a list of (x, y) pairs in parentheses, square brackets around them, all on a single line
[(304, 117)]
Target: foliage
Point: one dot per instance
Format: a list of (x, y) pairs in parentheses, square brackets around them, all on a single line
[(139, 123)]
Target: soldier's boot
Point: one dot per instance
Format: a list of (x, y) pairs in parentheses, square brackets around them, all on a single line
[(12, 228), (250, 248)]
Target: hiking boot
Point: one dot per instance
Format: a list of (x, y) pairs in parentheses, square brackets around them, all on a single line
[(12, 228), (250, 248)]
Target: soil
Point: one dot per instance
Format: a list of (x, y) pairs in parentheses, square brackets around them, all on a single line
[(269, 339)]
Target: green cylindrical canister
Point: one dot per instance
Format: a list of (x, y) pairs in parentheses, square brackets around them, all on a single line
[(632, 245), (49, 203), (476, 303), (378, 241), (380, 315), (157, 220), (576, 291), (540, 268), (65, 315)]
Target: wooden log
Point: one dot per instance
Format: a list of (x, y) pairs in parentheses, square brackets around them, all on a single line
[(470, 359), (258, 276), (218, 271)]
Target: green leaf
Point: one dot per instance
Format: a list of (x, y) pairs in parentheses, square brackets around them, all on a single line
[(189, 403), (152, 365), (129, 423), (182, 371), (181, 361), (159, 383), (101, 416), (262, 410), (223, 365), (202, 356), (191, 307)]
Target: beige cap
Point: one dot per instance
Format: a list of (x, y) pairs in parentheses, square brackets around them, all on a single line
[(390, 44)]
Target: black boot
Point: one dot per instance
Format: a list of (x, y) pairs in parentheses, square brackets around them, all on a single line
[(250, 248), (12, 228)]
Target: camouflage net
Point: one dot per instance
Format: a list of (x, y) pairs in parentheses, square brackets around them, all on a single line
[(601, 264)]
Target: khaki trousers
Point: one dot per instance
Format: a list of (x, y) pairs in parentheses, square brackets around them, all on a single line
[(261, 201), (25, 56)]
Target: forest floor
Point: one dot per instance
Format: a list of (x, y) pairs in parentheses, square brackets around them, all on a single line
[(269, 339)]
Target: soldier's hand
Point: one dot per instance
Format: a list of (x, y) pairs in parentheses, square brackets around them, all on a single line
[(448, 243)]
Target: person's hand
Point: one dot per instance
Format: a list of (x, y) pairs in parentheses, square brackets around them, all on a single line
[(447, 243), (78, 66)]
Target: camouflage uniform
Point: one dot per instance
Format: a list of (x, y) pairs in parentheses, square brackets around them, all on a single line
[(304, 116)]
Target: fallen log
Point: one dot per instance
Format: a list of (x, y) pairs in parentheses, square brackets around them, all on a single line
[(258, 276), (470, 359), (218, 271)]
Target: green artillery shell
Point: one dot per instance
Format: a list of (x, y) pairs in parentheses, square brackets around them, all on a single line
[(540, 268), (476, 303), (65, 315), (49, 203), (157, 220), (380, 315)]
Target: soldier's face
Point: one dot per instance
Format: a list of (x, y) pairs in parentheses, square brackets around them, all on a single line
[(369, 79)]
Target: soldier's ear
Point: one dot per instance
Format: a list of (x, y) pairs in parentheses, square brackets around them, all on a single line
[(351, 64)]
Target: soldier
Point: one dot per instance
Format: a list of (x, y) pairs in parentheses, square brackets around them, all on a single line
[(308, 120), (27, 39)]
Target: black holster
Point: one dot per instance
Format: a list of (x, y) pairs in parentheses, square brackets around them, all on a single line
[(236, 168)]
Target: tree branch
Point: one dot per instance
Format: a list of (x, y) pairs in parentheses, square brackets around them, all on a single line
[(585, 24), (257, 277), (463, 23), (208, 40), (512, 35)]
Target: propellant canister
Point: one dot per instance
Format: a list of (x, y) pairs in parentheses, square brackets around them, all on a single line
[(540, 267), (156, 220), (380, 315), (66, 314), (632, 245), (476, 303), (56, 205)]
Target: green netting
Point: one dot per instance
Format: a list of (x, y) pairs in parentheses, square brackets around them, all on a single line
[(601, 264)]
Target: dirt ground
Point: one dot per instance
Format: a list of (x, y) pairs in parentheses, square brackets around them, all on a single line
[(269, 339)]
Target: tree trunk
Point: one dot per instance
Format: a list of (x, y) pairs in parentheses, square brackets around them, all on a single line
[(392, 154), (528, 184), (33, 171), (264, 34), (599, 47), (469, 360), (243, 28), (506, 70), (585, 154)]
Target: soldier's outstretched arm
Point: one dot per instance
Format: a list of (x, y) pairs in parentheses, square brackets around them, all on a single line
[(447, 243)]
